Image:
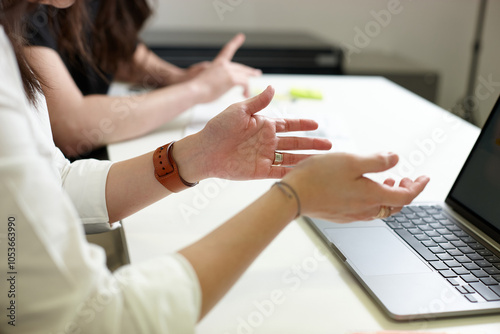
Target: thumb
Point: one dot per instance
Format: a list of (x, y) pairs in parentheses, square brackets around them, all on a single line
[(259, 102), (228, 51), (378, 162)]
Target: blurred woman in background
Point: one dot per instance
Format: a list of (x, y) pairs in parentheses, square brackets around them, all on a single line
[(83, 48)]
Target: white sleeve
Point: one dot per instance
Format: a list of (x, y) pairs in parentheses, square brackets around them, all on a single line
[(55, 282), (60, 283), (85, 183)]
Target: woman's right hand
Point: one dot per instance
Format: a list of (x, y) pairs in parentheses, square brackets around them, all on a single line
[(212, 79), (333, 187)]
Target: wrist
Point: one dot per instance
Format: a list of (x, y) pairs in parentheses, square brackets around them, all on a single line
[(290, 194), (297, 181), (283, 205), (199, 91), (188, 154), (173, 75)]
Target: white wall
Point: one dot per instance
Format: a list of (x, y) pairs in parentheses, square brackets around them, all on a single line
[(436, 33)]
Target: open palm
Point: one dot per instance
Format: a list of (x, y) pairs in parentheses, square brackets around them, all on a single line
[(241, 144)]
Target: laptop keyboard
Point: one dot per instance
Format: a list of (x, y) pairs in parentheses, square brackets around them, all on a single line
[(462, 260)]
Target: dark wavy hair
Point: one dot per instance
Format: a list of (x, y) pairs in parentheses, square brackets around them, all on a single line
[(114, 34), (116, 31), (11, 18)]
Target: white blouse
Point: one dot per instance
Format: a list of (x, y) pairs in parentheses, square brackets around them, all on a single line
[(52, 280)]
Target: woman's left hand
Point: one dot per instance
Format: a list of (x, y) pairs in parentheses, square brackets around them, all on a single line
[(239, 144)]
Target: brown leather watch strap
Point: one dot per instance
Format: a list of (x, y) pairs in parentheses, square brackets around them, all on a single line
[(166, 171)]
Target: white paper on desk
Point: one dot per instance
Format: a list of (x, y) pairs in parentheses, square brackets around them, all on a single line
[(330, 121)]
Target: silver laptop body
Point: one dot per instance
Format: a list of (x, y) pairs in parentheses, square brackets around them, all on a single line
[(433, 260)]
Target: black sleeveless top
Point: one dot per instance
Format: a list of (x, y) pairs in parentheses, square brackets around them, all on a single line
[(88, 80), (40, 33)]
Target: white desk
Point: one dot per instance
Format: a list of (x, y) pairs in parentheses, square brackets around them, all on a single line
[(311, 293)]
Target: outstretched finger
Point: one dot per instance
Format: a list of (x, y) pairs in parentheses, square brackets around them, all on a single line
[(258, 102), (390, 182), (244, 70), (393, 209), (292, 159), (376, 163), (405, 193), (303, 143), (405, 182), (228, 51), (288, 125), (241, 77), (246, 90)]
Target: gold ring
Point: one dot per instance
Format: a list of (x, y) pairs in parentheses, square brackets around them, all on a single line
[(278, 159), (384, 212)]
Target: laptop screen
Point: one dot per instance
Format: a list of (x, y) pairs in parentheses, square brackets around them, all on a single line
[(476, 191)]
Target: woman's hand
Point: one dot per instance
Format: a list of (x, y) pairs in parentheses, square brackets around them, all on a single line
[(238, 144), (333, 187), (212, 79)]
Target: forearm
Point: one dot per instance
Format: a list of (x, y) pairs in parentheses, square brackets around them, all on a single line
[(99, 120), (131, 185), (149, 70), (82, 123), (221, 257)]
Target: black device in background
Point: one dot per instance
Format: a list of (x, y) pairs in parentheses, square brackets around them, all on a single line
[(272, 52)]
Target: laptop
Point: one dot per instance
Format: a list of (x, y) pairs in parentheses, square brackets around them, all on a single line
[(433, 260)]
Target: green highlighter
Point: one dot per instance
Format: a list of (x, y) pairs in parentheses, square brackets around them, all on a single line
[(306, 93)]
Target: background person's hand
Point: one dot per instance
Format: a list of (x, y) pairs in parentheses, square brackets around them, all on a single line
[(212, 79), (179, 75), (194, 70), (333, 186), (239, 144)]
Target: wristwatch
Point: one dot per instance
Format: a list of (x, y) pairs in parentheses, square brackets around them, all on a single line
[(166, 170)]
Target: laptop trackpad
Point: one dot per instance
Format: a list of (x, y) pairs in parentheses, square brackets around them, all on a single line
[(376, 251)]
